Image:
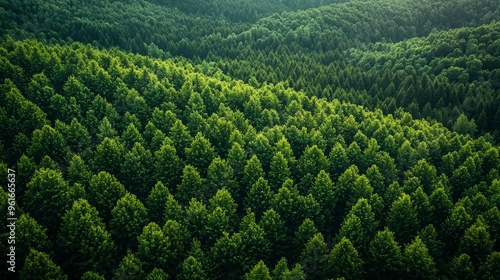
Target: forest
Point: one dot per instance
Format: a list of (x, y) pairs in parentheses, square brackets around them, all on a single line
[(273, 140)]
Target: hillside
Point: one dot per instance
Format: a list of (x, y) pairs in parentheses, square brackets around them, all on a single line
[(280, 139), (181, 173)]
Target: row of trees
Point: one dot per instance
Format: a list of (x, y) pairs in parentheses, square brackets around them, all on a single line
[(129, 166)]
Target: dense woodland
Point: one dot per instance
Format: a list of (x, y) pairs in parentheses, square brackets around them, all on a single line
[(250, 140)]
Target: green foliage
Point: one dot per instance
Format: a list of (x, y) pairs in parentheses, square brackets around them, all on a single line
[(39, 265), (344, 261)]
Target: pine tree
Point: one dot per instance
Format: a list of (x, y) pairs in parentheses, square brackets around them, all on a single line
[(461, 267), (313, 257), (344, 261), (154, 248), (259, 272), (275, 232), (155, 203), (323, 192), (476, 243), (38, 265), (84, 242), (384, 257), (168, 166), (254, 245), (136, 171), (30, 235), (279, 171), (417, 263), (192, 269), (191, 185), (259, 197), (127, 220), (129, 268), (104, 191), (403, 220), (220, 175)]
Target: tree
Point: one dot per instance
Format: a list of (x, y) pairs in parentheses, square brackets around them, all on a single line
[(225, 257), (384, 256), (48, 141), (254, 245), (108, 156), (38, 265), (196, 218), (191, 185), (154, 248), (252, 172), (131, 136), (323, 192), (192, 269), (129, 268), (90, 275), (441, 206), (454, 227), (200, 153), (181, 138), (225, 201), (344, 261), (279, 171), (155, 203), (157, 274), (136, 171), (47, 198), (127, 220), (402, 219), (476, 243), (30, 235), (78, 171), (84, 242), (259, 272), (312, 161), (489, 269), (179, 239), (303, 234), (464, 126), (220, 175), (104, 191), (417, 263), (275, 232), (168, 166), (106, 130), (461, 267), (173, 210), (259, 197), (314, 256), (236, 158)]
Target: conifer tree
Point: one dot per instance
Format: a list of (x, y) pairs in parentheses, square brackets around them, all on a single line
[(200, 154), (191, 185), (403, 220), (279, 171), (314, 256), (104, 191), (344, 261), (417, 263), (154, 248), (155, 203), (130, 267), (128, 218), (192, 269), (38, 265), (84, 241), (259, 272), (384, 257), (259, 197)]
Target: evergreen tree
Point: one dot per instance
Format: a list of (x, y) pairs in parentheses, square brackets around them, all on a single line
[(461, 267), (129, 268), (279, 171), (154, 248), (254, 244), (157, 274), (108, 156), (314, 256), (384, 257), (136, 171), (259, 197), (489, 269), (403, 220), (104, 191), (252, 172), (84, 242), (344, 261), (191, 185), (38, 265), (200, 154), (220, 175), (323, 192), (259, 272), (30, 235), (417, 263), (192, 269), (168, 166), (127, 220), (476, 243), (275, 232), (155, 203), (50, 142)]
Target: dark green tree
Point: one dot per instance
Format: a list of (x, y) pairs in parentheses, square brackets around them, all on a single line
[(84, 241), (384, 258), (155, 203), (461, 267), (136, 172), (259, 197), (417, 262), (168, 166), (403, 220), (192, 269), (191, 185), (38, 265), (279, 171), (313, 257), (130, 267), (344, 261), (103, 193), (127, 220), (154, 248), (30, 235)]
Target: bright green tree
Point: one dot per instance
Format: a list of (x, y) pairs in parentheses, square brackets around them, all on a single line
[(279, 171), (275, 232), (323, 192), (192, 269), (130, 267), (252, 172), (136, 172), (220, 175), (259, 272), (259, 197), (48, 141), (313, 257), (155, 203), (154, 248), (109, 156), (168, 166)]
